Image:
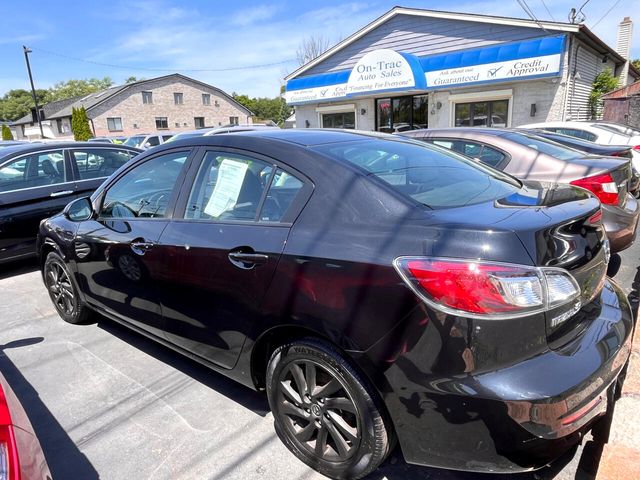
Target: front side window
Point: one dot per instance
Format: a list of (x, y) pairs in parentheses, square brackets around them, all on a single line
[(178, 98), (144, 191), (35, 170), (229, 186), (98, 162), (114, 124), (134, 141), (147, 98), (162, 122), (339, 120), (206, 99), (430, 176), (152, 141), (482, 114)]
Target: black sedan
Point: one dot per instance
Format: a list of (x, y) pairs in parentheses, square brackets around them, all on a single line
[(38, 179), (376, 288)]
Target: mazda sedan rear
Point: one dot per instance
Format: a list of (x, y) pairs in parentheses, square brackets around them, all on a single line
[(375, 287)]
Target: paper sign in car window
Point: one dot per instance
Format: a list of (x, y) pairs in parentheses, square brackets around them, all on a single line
[(225, 194)]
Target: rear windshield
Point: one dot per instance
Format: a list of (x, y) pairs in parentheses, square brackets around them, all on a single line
[(545, 146), (429, 175)]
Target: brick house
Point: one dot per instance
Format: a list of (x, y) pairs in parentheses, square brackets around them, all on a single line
[(171, 103)]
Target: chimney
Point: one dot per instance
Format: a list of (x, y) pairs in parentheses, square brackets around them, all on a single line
[(623, 47)]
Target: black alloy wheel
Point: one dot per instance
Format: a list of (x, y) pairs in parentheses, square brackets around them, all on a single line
[(63, 291), (324, 412)]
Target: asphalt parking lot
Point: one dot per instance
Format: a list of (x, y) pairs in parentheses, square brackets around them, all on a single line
[(109, 403)]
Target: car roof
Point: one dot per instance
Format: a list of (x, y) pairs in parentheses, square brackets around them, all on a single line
[(37, 147), (303, 137)]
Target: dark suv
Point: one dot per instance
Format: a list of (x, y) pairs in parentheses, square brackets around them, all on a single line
[(37, 180), (376, 287)]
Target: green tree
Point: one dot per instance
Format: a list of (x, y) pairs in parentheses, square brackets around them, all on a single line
[(133, 79), (264, 108), (77, 88), (80, 124), (603, 83), (636, 63), (6, 133), (17, 103)]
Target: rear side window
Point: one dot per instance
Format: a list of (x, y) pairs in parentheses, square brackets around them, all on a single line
[(98, 162), (145, 190), (282, 192), (487, 155), (429, 176), (35, 170), (228, 187)]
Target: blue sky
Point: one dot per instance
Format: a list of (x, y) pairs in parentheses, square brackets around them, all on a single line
[(155, 37)]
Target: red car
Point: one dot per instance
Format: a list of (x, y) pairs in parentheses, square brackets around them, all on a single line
[(21, 457)]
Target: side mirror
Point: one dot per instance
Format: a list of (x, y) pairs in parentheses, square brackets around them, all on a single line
[(79, 210)]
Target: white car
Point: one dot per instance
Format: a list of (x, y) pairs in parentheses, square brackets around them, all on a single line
[(603, 133)]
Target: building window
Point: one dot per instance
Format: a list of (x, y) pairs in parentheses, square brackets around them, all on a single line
[(59, 124), (198, 122), (178, 98), (147, 98), (233, 120), (206, 99), (482, 114), (162, 122), (339, 120), (402, 113), (114, 124)]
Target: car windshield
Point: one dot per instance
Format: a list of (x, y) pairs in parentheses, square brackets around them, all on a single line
[(545, 146), (429, 175), (134, 141)]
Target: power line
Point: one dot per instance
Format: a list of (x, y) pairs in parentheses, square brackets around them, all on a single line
[(148, 69), (547, 9), (528, 11), (607, 13)]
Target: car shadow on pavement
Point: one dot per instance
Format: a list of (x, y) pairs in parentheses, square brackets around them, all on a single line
[(248, 398), (18, 267), (64, 458)]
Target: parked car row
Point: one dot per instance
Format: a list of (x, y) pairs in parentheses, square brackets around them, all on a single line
[(376, 287), (528, 156)]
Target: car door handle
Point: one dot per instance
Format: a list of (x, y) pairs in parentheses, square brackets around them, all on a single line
[(246, 260), (141, 247), (61, 193)]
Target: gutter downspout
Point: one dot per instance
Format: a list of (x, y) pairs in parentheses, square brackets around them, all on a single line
[(566, 90)]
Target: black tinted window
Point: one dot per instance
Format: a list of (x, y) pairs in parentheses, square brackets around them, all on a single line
[(35, 170), (98, 162), (229, 186), (281, 194), (145, 190), (430, 176)]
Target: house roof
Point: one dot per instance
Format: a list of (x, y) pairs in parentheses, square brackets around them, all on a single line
[(63, 108), (581, 30), (623, 92)]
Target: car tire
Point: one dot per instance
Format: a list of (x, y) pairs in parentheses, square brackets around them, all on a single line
[(63, 291), (338, 425)]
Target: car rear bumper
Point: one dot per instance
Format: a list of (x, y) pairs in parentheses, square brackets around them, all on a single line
[(620, 223), (516, 418)]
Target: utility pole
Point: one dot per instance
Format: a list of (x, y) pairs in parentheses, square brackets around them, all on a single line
[(27, 51)]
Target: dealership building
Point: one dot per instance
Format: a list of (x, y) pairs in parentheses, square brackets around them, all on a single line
[(414, 68)]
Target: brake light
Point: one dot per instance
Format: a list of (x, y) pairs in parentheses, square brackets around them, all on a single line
[(485, 289), (637, 148), (9, 463), (603, 186)]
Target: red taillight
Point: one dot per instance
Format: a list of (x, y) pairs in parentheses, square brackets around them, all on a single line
[(603, 186), (637, 148), (9, 462), (486, 289), (596, 217)]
